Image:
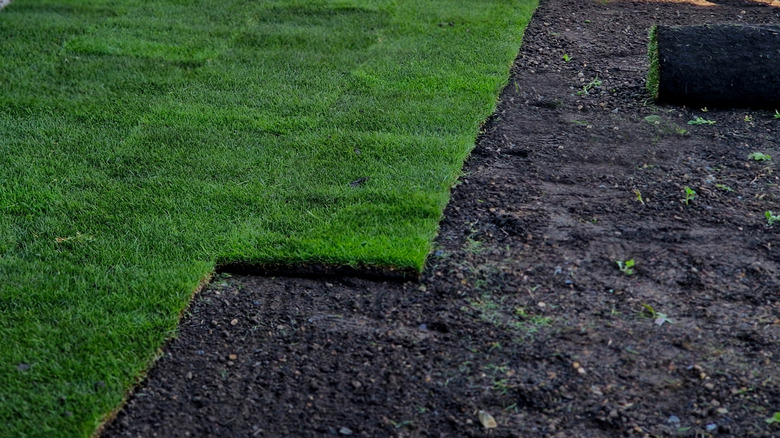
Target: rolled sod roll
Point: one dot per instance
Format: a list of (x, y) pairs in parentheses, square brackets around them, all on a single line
[(718, 65)]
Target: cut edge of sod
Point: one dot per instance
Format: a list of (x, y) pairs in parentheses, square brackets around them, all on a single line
[(653, 72), (292, 270), (107, 418), (319, 270)]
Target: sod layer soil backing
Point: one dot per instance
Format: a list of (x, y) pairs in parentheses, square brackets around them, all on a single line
[(723, 65), (522, 311)]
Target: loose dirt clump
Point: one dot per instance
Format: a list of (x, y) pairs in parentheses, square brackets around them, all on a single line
[(523, 311)]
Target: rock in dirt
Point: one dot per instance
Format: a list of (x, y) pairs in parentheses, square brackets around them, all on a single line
[(487, 420)]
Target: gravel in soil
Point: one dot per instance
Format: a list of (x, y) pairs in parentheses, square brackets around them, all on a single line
[(523, 312)]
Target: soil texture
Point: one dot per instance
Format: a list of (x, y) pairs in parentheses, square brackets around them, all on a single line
[(523, 315)]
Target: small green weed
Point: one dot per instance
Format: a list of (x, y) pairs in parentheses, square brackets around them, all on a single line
[(657, 317), (774, 418), (512, 408), (777, 114), (665, 128), (638, 195), (626, 267), (748, 118), (474, 246), (402, 424), (759, 156), (587, 88), (771, 218), (534, 320), (690, 195), (495, 346), (501, 386), (495, 311), (499, 376), (566, 57), (724, 187), (497, 369), (679, 130), (701, 121)]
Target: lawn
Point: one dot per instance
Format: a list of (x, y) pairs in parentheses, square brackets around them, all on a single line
[(143, 144)]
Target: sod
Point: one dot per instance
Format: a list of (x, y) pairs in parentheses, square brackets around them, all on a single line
[(142, 144), (717, 65)]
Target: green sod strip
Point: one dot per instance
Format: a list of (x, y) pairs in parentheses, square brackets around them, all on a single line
[(142, 143), (653, 72)]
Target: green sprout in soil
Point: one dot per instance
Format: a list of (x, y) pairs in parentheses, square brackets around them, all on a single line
[(665, 128), (657, 317), (586, 89), (771, 218), (401, 424), (566, 57), (474, 246), (759, 156), (748, 118), (626, 267), (724, 187), (774, 419), (690, 195), (638, 195), (701, 121), (777, 114)]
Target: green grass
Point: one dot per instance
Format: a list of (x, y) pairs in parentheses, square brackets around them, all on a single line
[(653, 71), (144, 143)]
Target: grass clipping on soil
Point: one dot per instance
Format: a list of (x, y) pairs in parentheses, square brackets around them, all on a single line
[(143, 143)]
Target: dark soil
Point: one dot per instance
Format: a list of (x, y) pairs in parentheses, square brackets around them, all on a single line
[(522, 312)]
